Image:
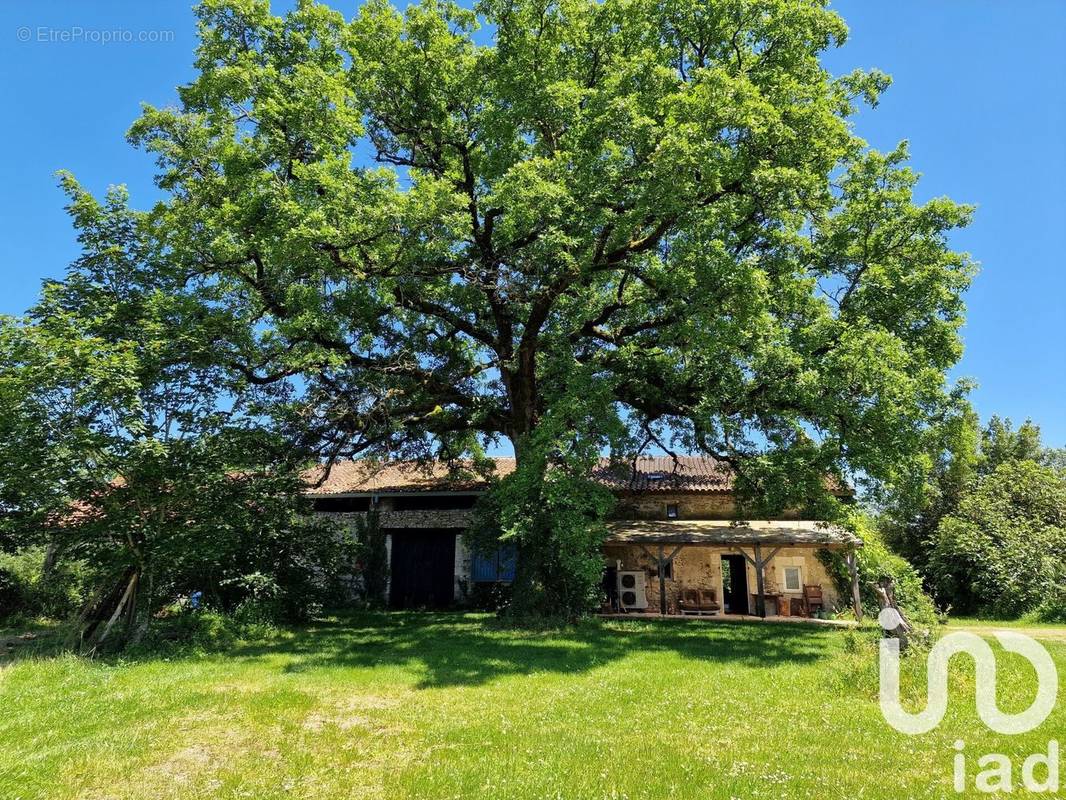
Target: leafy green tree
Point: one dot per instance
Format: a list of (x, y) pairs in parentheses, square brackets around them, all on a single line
[(1001, 443), (966, 456), (130, 445), (435, 237), (1003, 551)]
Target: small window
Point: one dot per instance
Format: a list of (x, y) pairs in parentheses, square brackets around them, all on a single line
[(668, 571), (672, 511), (793, 581)]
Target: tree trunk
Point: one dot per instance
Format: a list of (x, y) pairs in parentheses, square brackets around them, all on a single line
[(893, 623), (125, 603)]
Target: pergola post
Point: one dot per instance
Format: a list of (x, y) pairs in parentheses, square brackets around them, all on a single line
[(662, 581), (853, 568), (760, 584), (663, 561)]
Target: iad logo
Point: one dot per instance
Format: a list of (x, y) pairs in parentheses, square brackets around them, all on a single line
[(999, 775)]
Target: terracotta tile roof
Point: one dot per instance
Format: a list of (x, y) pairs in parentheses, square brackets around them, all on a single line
[(652, 474), (665, 474), (357, 477)]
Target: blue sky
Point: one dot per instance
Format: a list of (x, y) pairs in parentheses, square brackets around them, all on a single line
[(979, 90)]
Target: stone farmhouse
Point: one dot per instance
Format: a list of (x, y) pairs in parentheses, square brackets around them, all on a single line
[(675, 545)]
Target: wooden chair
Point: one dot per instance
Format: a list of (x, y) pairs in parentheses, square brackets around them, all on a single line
[(812, 599), (709, 602), (689, 602)]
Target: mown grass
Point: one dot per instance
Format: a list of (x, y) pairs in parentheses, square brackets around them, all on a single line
[(449, 705), (1021, 624)]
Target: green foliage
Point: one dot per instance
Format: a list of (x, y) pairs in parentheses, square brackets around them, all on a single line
[(12, 593), (666, 196), (549, 509), (54, 590), (136, 450), (187, 631), (372, 557), (1053, 608), (616, 224), (1003, 551), (876, 561), (982, 533)]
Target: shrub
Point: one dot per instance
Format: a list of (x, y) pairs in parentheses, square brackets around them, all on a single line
[(12, 594), (1053, 609), (876, 561), (183, 629), (57, 594), (1003, 552)]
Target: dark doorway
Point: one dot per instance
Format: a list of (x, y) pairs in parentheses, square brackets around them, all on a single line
[(422, 569), (735, 584)]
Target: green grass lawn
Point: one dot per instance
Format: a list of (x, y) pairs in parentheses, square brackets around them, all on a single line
[(441, 706), (1006, 624)]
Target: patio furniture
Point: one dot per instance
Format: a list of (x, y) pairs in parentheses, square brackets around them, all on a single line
[(771, 597), (812, 599), (689, 602), (699, 601), (709, 602)]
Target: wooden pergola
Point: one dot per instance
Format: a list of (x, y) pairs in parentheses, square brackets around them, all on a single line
[(757, 541)]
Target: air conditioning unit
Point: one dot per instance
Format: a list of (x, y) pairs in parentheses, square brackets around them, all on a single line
[(632, 588)]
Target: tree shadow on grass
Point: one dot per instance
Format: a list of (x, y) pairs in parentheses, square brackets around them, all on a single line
[(468, 650)]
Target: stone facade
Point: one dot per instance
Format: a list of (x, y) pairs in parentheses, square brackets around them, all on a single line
[(700, 567), (690, 505), (695, 567)]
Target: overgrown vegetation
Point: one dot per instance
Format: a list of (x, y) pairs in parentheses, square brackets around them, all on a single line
[(875, 562), (136, 470), (990, 535)]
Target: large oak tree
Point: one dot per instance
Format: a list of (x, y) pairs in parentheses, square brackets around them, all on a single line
[(570, 224)]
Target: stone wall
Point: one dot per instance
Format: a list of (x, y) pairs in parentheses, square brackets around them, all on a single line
[(398, 520), (689, 506), (694, 567), (392, 520), (699, 567)]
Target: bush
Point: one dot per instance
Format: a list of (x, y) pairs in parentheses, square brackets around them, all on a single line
[(1003, 552), (12, 594), (55, 595), (184, 629), (876, 561), (1053, 609), (489, 596)]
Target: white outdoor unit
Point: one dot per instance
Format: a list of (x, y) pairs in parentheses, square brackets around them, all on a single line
[(632, 588)]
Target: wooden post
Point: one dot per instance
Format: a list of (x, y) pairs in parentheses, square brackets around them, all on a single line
[(856, 597), (760, 583), (662, 581)]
